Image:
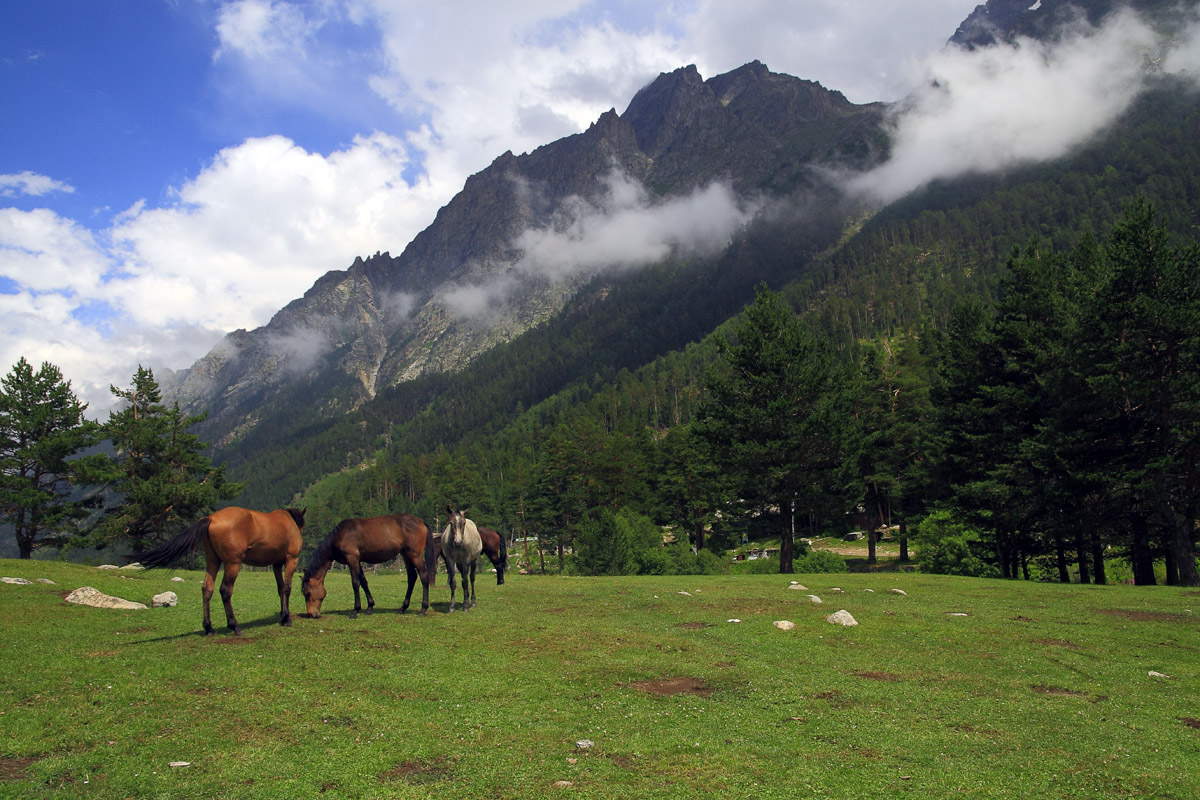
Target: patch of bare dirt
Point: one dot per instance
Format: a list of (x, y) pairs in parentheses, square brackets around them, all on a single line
[(419, 771), (1141, 616), (694, 626), (235, 640), (1191, 722), (670, 686), (877, 676), (1057, 691), (15, 769)]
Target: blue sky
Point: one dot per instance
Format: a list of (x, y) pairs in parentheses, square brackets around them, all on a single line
[(171, 170)]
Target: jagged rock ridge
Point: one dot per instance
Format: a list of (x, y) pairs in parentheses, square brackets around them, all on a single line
[(385, 319)]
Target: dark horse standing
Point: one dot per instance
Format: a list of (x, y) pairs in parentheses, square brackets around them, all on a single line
[(234, 536), (355, 542)]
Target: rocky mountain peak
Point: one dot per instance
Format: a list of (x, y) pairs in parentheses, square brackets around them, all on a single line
[(990, 22)]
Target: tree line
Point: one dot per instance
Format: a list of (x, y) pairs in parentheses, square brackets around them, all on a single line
[(67, 481), (1038, 435), (1046, 432)]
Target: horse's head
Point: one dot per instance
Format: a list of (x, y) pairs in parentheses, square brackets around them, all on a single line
[(458, 524), (313, 589)]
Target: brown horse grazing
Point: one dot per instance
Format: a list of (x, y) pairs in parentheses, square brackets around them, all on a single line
[(355, 542), (234, 536)]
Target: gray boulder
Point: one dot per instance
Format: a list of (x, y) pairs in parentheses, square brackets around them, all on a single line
[(89, 596)]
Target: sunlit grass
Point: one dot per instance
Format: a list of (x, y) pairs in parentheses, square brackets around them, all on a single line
[(1041, 690)]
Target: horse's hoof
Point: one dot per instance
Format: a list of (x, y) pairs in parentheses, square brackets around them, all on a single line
[(370, 610), (237, 631), (287, 623), (353, 615)]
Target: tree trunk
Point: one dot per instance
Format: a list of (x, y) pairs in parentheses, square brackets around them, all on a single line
[(787, 537), (698, 532), (1181, 551), (1098, 559), (903, 540), (1140, 553), (1064, 575), (1081, 557)]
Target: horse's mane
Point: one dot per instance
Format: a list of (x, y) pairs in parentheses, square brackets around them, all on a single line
[(324, 551)]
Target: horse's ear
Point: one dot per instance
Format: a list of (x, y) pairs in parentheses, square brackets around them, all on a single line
[(464, 510), (449, 509)]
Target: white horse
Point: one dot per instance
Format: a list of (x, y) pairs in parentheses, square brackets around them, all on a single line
[(461, 547)]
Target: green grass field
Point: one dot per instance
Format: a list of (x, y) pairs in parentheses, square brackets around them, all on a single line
[(1041, 690)]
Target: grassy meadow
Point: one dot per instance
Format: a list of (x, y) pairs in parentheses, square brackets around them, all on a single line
[(1040, 690)]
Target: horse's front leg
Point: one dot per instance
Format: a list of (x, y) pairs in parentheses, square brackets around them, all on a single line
[(355, 576), (450, 577), (362, 578), (283, 580)]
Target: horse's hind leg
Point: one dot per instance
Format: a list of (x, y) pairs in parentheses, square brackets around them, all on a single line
[(231, 573), (465, 606), (211, 564), (412, 580)]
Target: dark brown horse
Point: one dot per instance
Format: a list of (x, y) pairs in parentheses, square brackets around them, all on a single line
[(234, 536), (355, 542)]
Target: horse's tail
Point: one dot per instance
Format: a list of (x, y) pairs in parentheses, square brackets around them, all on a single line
[(431, 556), (503, 552), (177, 548)]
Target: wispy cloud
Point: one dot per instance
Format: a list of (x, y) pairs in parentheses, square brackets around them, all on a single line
[(995, 108), (31, 184), (621, 229)]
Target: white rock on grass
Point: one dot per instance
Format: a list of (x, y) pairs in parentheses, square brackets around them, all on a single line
[(108, 566), (89, 596), (176, 579), (842, 617), (785, 625), (815, 599), (798, 586), (165, 600), (900, 591), (46, 580), (16, 581)]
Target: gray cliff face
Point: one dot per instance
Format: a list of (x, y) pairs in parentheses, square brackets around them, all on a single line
[(386, 319)]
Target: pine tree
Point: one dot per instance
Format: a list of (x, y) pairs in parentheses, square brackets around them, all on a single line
[(158, 470), (777, 417), (42, 430)]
